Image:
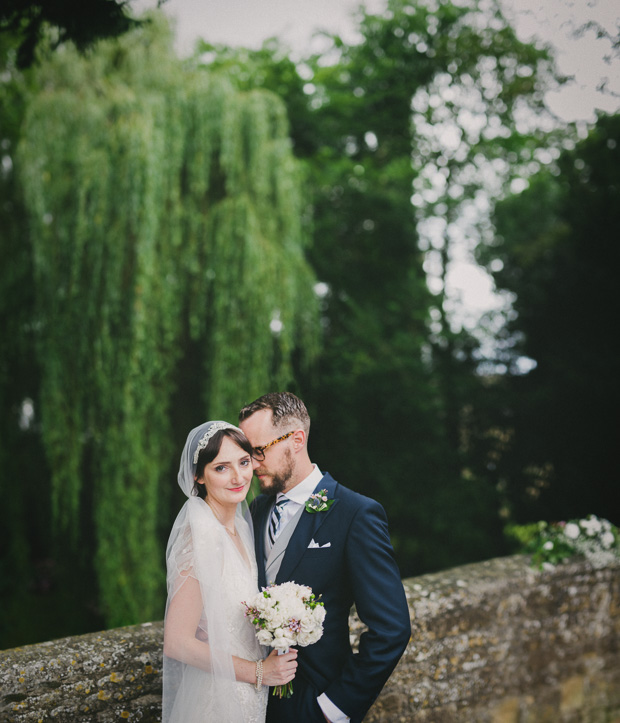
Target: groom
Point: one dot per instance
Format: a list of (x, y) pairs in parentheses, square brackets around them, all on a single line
[(343, 553)]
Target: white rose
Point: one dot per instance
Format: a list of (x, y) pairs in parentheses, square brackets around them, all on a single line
[(281, 640), (571, 531), (297, 610), (274, 618), (264, 637), (303, 639), (286, 590), (307, 623), (314, 636), (548, 545)]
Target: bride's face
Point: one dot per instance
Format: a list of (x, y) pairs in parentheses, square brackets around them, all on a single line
[(227, 478)]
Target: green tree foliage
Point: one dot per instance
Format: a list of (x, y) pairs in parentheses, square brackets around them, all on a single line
[(165, 210), (23, 527), (83, 23), (400, 132), (168, 228), (557, 245), (426, 104)]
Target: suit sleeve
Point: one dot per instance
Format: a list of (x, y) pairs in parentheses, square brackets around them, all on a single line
[(381, 605)]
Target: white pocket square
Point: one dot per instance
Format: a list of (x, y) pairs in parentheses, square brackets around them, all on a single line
[(316, 544)]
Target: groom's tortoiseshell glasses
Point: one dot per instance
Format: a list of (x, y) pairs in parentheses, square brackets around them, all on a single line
[(259, 452)]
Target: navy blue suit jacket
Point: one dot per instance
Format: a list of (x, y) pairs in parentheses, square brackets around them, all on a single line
[(358, 567)]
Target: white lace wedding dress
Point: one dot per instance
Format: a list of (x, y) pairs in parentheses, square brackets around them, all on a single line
[(206, 697)]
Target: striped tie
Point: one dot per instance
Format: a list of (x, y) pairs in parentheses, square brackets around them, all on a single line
[(276, 517)]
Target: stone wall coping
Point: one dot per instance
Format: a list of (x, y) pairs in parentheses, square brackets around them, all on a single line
[(488, 634)]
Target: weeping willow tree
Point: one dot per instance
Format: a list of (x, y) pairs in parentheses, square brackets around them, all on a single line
[(166, 214)]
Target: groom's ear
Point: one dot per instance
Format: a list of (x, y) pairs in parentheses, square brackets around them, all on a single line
[(299, 439)]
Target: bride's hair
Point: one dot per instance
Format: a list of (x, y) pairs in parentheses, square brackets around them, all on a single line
[(210, 452)]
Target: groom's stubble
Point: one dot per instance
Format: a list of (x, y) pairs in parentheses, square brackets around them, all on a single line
[(274, 482)]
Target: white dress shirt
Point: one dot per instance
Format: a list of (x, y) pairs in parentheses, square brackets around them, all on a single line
[(297, 497)]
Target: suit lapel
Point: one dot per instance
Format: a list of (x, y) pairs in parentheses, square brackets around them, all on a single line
[(306, 529), (263, 505)]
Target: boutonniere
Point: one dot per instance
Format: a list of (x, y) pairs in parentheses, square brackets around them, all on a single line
[(318, 502)]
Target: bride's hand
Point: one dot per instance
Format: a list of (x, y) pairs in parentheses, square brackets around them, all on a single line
[(280, 669)]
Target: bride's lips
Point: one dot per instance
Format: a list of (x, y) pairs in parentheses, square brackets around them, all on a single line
[(237, 489)]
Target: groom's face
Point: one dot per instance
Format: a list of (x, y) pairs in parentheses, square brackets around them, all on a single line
[(275, 472)]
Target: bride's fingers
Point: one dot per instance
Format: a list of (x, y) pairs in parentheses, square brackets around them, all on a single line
[(284, 658), (287, 666), (288, 675), (280, 669)]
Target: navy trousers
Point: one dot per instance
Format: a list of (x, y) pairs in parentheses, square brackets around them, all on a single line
[(301, 707)]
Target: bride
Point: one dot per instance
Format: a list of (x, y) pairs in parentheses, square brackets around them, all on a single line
[(213, 666)]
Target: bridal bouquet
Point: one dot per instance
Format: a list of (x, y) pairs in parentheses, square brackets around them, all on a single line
[(285, 615)]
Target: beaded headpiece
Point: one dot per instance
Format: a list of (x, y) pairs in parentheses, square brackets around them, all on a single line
[(204, 441)]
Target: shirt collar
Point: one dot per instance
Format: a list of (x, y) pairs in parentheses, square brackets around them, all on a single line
[(301, 492)]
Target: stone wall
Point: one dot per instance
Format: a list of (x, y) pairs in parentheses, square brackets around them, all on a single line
[(492, 642), (110, 676), (499, 642)]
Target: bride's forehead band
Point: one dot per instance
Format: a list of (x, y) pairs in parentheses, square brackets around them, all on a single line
[(204, 441)]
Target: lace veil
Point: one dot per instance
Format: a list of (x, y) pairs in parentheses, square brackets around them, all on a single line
[(198, 548)]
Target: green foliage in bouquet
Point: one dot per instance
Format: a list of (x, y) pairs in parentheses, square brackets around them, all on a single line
[(550, 543)]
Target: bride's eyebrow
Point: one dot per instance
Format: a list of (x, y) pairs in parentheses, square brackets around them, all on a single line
[(224, 461)]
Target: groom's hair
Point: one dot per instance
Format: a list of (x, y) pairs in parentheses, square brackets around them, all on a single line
[(285, 407)]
